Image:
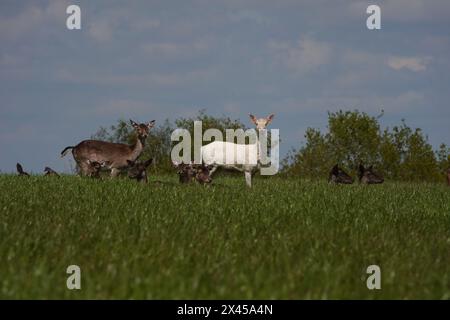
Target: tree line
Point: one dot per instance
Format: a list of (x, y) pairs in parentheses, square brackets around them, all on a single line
[(353, 137)]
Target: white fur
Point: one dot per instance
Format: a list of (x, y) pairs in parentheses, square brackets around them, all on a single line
[(231, 156)]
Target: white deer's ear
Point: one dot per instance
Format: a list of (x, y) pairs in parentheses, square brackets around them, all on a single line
[(269, 118), (134, 124), (151, 124), (253, 118)]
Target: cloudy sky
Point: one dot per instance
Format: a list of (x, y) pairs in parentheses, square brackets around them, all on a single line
[(164, 59)]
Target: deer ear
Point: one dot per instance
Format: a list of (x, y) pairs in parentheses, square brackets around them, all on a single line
[(134, 124), (151, 124), (269, 118), (148, 162), (253, 118)]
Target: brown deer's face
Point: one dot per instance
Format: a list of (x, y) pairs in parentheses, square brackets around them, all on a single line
[(94, 168), (261, 123), (202, 174), (138, 170), (142, 129), (185, 172), (368, 176), (337, 175)]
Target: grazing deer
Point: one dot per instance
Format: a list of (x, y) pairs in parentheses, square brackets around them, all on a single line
[(246, 157), (115, 155), (20, 171), (448, 177), (93, 168), (368, 176), (138, 170), (185, 172), (337, 175), (202, 174), (188, 172), (50, 172)]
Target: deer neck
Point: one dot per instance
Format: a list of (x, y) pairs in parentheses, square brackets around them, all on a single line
[(136, 149), (258, 146)]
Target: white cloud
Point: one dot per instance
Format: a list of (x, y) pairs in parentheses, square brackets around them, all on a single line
[(174, 48), (398, 103), (410, 63), (405, 10), (87, 76), (304, 56), (100, 30), (249, 16), (32, 17)]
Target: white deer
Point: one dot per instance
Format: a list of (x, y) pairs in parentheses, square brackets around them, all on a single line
[(241, 157)]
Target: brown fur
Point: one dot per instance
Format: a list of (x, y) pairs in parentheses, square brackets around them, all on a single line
[(138, 170), (115, 155), (368, 176), (93, 169), (50, 172)]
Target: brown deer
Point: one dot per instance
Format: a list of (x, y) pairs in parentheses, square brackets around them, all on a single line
[(113, 155), (93, 168), (20, 171), (50, 172), (188, 172), (185, 172), (337, 175), (448, 177), (138, 170), (203, 174), (368, 176)]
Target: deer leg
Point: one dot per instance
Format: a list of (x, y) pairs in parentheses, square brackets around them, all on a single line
[(211, 172), (83, 168), (248, 178), (114, 172)]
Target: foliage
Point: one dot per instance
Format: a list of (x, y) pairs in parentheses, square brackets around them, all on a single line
[(354, 137)]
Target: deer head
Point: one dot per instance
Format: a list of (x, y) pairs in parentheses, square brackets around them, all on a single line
[(186, 172), (337, 175), (202, 174), (50, 172), (94, 168), (138, 170), (261, 123), (20, 171), (142, 129), (368, 176)]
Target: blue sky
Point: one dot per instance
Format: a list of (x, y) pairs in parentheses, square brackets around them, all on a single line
[(165, 59)]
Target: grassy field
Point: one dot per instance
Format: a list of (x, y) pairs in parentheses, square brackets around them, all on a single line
[(283, 239)]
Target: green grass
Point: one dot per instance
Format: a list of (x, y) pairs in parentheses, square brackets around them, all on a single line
[(283, 239)]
